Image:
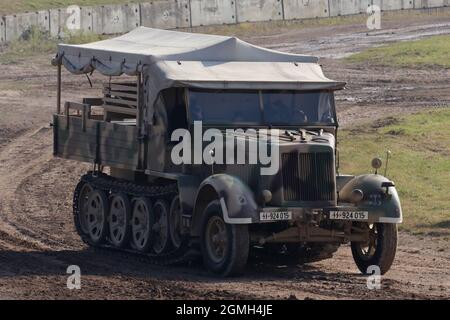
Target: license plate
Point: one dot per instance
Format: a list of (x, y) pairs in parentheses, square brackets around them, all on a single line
[(275, 216), (349, 215)]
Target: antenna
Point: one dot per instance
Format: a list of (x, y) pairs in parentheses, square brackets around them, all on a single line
[(388, 153)]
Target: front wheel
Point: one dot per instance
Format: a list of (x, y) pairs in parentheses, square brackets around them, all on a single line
[(379, 250), (224, 246)]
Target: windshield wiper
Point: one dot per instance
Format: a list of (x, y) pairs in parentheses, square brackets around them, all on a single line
[(289, 134)]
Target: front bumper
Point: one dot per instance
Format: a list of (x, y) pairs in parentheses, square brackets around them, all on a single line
[(305, 215)]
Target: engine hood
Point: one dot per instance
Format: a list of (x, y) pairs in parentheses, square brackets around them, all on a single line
[(288, 139)]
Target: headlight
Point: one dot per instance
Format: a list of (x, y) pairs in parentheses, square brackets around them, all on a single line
[(376, 163), (267, 196), (357, 195)]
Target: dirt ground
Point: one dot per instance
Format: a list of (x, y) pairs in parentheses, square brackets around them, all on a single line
[(37, 237)]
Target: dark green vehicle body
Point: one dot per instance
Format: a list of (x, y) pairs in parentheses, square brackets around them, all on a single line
[(129, 131), (306, 183)]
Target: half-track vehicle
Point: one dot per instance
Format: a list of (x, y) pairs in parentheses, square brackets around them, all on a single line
[(167, 198)]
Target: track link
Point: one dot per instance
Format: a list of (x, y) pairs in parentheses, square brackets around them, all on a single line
[(110, 185)]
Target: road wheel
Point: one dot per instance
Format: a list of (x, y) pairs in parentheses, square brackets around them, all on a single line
[(224, 246), (379, 250), (97, 211), (161, 236), (175, 222), (119, 220), (142, 220), (81, 217)]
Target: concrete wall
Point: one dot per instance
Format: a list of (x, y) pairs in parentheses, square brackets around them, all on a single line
[(387, 5), (347, 7), (87, 21), (166, 14), (210, 12), (17, 25), (71, 18), (115, 19), (364, 4), (2, 30), (304, 9), (170, 14), (259, 10), (58, 19), (429, 3)]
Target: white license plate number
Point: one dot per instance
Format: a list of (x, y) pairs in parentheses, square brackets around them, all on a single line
[(349, 215), (275, 216)]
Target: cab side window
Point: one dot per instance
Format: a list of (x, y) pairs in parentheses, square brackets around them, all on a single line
[(176, 109)]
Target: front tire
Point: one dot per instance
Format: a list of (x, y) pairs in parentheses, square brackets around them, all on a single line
[(379, 250), (224, 246)]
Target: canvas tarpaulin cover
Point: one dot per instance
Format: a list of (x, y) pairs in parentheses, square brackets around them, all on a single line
[(171, 58)]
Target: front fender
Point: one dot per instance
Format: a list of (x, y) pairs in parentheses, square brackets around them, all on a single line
[(383, 207), (236, 198)]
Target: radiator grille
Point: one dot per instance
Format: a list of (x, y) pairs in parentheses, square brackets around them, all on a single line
[(308, 176), (249, 174)]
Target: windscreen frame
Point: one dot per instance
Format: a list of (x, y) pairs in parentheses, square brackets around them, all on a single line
[(264, 123)]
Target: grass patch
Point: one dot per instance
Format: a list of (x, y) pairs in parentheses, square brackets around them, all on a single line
[(35, 42), (433, 51), (419, 164), (17, 6)]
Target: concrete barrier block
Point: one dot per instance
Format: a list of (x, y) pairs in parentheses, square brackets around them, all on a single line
[(166, 14), (363, 5), (2, 30), (421, 4), (210, 12), (259, 10), (69, 19), (55, 26), (387, 5), (303, 9), (115, 19), (62, 19), (408, 4), (16, 25), (43, 20), (435, 3), (87, 20), (346, 7)]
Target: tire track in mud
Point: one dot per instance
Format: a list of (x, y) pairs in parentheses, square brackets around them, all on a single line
[(19, 159), (341, 45)]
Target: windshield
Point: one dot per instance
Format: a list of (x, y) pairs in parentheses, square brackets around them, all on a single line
[(261, 107), (222, 107), (291, 107)]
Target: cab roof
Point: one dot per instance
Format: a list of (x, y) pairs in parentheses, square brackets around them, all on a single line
[(176, 58)]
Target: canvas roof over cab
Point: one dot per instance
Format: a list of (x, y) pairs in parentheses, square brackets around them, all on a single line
[(173, 58)]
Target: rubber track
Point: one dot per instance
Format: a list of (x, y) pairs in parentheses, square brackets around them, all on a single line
[(111, 185)]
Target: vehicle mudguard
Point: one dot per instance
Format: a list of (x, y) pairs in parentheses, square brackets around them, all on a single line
[(383, 205), (235, 197)]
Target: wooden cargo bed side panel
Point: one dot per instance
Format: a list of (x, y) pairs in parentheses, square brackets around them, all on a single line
[(118, 145), (74, 143)]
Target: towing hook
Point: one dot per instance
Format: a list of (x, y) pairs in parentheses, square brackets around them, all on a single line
[(387, 185)]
